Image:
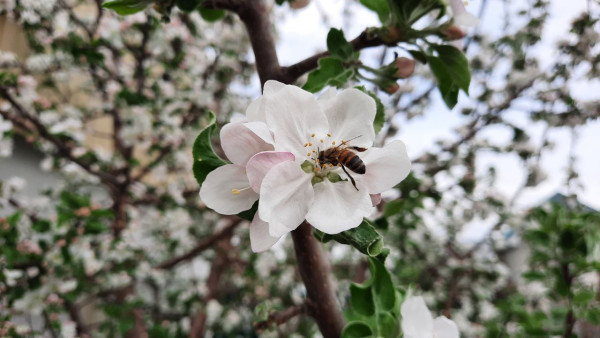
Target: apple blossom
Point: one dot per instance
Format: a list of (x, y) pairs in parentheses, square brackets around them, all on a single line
[(303, 188), (417, 321), (460, 15)]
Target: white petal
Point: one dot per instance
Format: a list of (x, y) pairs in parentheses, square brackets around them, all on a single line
[(351, 114), (417, 321), (338, 207), (466, 19), (285, 196), (445, 328), (261, 130), (386, 167), (216, 191), (260, 239), (293, 115), (240, 143), (256, 109), (261, 163), (461, 16), (329, 93)]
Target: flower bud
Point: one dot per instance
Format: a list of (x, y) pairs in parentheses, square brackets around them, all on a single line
[(391, 89), (405, 67), (454, 33), (298, 4)]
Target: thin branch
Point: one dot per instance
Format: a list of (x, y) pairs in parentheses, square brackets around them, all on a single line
[(366, 39), (206, 244), (316, 273), (281, 317)]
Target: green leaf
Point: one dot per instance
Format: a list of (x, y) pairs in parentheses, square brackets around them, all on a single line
[(205, 159), (338, 45), (331, 71), (418, 55), (212, 15), (380, 112), (127, 7), (446, 85), (356, 330), (380, 7), (188, 5), (364, 238), (248, 215), (374, 305), (457, 65), (407, 12)]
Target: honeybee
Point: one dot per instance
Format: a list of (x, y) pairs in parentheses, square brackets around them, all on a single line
[(344, 156)]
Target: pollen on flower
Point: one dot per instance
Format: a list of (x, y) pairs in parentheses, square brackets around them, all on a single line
[(235, 191)]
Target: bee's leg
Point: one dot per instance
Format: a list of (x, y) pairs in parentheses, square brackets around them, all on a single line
[(351, 179), (359, 149)]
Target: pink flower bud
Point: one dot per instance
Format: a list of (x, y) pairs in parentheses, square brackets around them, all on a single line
[(298, 4), (391, 89), (405, 67), (454, 33)]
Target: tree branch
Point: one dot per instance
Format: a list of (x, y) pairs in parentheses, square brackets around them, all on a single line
[(280, 317), (315, 272), (366, 39), (206, 244)]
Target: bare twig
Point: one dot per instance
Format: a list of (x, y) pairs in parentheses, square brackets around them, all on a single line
[(206, 244), (280, 317)]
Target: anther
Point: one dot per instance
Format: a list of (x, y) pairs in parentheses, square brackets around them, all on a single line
[(321, 140), (328, 135), (235, 191), (312, 135), (306, 144), (333, 143), (309, 144), (307, 154)]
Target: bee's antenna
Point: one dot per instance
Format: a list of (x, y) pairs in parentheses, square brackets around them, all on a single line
[(354, 138)]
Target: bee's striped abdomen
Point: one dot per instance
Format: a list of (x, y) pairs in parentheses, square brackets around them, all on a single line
[(352, 162)]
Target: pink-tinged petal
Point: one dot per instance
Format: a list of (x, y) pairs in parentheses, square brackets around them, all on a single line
[(460, 14), (256, 109), (240, 143), (261, 163), (293, 115), (386, 167), (351, 114), (338, 207), (375, 199), (285, 196), (261, 130), (260, 239), (217, 190), (445, 328), (417, 321)]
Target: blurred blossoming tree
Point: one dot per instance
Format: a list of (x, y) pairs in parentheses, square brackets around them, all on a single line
[(114, 99)]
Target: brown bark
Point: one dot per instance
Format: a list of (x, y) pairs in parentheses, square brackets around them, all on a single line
[(316, 274)]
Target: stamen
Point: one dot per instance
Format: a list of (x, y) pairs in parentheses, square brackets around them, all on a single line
[(309, 144), (328, 135), (238, 191), (307, 154), (333, 143), (312, 135), (344, 142), (306, 144), (321, 140)]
